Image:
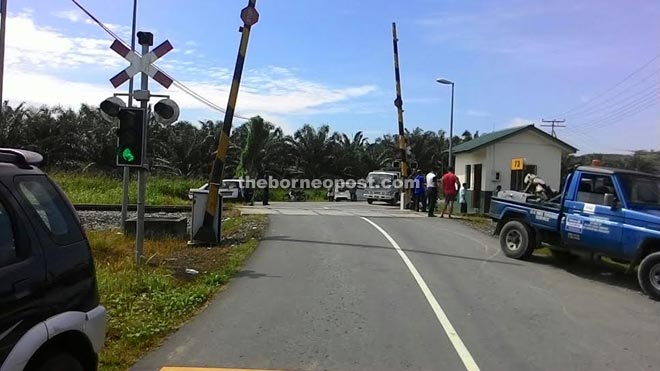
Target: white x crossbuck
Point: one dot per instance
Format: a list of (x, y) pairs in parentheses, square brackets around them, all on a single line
[(141, 63)]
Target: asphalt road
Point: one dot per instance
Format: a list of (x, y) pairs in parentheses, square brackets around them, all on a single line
[(328, 292)]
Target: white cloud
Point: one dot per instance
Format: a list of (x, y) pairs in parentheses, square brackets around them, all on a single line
[(70, 15), (34, 47), (124, 32), (39, 88), (41, 62), (519, 121)]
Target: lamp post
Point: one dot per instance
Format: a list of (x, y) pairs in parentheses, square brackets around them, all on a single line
[(451, 119)]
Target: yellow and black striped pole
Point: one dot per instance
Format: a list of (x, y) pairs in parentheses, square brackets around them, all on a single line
[(206, 233), (398, 103)]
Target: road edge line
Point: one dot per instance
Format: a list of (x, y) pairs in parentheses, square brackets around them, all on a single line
[(454, 338)]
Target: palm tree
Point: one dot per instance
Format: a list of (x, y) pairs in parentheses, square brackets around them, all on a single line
[(350, 154), (313, 151), (263, 148)]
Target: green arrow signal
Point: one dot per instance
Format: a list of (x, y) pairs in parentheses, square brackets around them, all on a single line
[(127, 155)]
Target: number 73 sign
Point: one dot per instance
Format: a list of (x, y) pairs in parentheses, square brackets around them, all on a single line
[(517, 163)]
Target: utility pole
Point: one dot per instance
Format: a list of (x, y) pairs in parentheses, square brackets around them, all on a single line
[(398, 103), (127, 173), (3, 20), (553, 125)]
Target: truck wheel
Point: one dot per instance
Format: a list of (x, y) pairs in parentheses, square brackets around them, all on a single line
[(370, 201), (60, 362), (648, 275), (516, 240)]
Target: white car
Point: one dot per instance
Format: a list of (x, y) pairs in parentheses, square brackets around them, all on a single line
[(346, 193), (231, 189)]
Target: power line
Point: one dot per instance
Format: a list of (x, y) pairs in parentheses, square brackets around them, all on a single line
[(612, 87), (635, 108), (589, 109), (630, 102), (176, 82)]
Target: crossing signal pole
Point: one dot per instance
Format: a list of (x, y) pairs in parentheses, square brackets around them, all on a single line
[(554, 124), (206, 233)]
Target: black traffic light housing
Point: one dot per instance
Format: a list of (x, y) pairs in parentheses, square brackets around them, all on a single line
[(131, 133)]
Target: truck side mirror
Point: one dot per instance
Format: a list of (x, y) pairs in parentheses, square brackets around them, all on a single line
[(609, 200)]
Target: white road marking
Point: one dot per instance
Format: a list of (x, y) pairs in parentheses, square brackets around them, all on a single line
[(456, 341)]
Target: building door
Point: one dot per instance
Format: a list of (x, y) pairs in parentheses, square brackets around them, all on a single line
[(518, 177), (476, 192)]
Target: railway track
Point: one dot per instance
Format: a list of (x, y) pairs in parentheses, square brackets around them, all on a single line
[(133, 207)]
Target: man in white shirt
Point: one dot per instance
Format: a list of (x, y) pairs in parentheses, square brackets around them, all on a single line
[(432, 190)]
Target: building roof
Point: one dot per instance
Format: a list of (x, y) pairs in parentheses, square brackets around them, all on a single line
[(496, 136)]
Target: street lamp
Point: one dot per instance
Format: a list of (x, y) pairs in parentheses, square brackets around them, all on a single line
[(451, 119)]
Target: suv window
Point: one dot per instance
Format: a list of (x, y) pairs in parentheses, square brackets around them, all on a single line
[(8, 253), (593, 186), (50, 208)]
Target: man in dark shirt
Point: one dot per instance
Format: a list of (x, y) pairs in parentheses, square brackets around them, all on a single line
[(419, 195)]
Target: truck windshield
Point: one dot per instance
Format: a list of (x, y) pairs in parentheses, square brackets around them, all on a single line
[(379, 180), (641, 190)]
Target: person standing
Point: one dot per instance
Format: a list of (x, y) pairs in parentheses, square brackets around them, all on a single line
[(419, 195), (462, 199), (450, 187), (432, 190)]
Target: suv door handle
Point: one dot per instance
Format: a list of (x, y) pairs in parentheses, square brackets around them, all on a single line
[(22, 289)]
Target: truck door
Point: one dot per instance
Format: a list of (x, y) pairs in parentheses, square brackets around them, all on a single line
[(588, 222)]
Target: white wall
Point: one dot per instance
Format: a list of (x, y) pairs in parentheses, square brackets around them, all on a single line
[(471, 158), (534, 148)]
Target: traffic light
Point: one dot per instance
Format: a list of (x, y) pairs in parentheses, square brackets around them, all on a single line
[(166, 111), (130, 144)]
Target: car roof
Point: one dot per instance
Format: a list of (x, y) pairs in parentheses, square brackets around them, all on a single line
[(611, 170), (18, 161)]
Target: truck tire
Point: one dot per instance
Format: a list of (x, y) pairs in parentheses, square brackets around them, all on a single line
[(648, 275), (516, 240), (370, 201), (60, 362)]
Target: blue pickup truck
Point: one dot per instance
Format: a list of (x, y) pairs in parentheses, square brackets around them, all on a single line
[(600, 212)]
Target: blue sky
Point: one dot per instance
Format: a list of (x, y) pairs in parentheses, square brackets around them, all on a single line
[(330, 62)]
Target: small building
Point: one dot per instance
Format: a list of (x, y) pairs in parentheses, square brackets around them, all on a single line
[(503, 158)]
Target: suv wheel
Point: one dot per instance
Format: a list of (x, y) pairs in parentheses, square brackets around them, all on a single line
[(648, 275), (60, 362), (516, 240)]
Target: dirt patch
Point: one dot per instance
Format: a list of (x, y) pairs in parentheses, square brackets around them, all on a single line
[(482, 224), (179, 256)]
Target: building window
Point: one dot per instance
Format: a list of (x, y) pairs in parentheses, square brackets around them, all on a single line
[(468, 175)]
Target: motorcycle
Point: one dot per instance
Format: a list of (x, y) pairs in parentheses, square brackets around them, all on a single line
[(536, 186), (297, 195)]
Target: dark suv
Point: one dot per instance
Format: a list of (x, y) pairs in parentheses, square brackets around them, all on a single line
[(50, 317)]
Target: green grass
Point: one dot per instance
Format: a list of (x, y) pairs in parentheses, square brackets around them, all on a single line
[(104, 189), (90, 188), (148, 303)]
